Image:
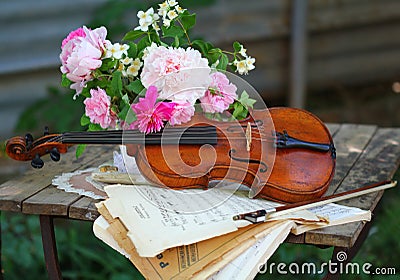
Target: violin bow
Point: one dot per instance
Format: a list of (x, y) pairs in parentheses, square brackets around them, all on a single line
[(263, 215)]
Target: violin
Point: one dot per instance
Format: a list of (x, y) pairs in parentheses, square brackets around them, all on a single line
[(281, 154)]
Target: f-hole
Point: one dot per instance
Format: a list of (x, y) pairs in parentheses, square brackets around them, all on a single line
[(263, 169)]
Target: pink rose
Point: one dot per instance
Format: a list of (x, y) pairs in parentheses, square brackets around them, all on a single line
[(150, 113), (182, 113), (220, 94), (179, 74), (97, 108), (72, 35), (81, 54)]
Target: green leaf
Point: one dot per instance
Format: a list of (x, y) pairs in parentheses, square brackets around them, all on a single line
[(85, 120), (201, 46), (116, 84), (79, 150), (65, 82), (214, 55), (95, 127), (133, 50), (238, 110), (135, 86), (133, 35), (176, 42), (107, 64), (246, 101), (124, 112), (172, 31), (237, 46), (223, 62), (142, 44), (125, 98), (188, 20), (130, 116)]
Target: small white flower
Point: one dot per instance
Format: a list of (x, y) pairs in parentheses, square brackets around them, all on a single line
[(155, 18), (132, 71), (243, 51), (156, 27), (172, 2), (172, 14), (164, 6), (149, 49), (143, 26), (245, 65), (126, 61), (241, 67), (137, 63), (116, 50), (146, 19), (167, 22), (250, 63), (145, 16), (179, 9)]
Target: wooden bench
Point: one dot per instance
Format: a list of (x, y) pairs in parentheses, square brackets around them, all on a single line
[(365, 154)]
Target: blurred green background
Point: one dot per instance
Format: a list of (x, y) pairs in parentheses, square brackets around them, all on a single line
[(334, 94)]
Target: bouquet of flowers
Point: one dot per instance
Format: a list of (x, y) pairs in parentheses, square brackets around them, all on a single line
[(156, 76)]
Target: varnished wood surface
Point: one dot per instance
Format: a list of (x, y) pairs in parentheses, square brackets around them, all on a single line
[(365, 154)]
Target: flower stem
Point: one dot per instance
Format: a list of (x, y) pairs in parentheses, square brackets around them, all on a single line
[(185, 31)]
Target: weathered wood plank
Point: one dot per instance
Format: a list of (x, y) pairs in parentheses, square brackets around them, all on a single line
[(378, 162), (350, 141), (49, 201), (13, 192), (84, 209), (333, 128), (52, 201)]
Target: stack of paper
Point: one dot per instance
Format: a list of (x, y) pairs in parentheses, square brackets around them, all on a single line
[(191, 233)]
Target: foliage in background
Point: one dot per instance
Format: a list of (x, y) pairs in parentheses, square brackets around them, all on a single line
[(118, 15), (57, 111)]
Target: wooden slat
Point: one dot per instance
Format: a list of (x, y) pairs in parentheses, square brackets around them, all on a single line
[(13, 192), (378, 162), (350, 141), (333, 128), (84, 209), (52, 201), (49, 201)]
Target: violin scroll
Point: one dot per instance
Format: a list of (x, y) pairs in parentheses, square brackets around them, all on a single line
[(26, 148)]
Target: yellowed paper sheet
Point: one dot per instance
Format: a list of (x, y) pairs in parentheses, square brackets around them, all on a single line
[(186, 261), (247, 264), (335, 214), (188, 215)]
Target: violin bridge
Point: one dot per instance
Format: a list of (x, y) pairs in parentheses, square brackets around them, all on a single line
[(248, 137)]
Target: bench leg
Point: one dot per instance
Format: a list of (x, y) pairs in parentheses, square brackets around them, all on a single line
[(50, 247), (347, 253)]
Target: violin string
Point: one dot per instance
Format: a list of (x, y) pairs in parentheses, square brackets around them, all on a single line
[(117, 136)]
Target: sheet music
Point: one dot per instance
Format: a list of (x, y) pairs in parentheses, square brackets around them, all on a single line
[(335, 214), (187, 215), (246, 266)]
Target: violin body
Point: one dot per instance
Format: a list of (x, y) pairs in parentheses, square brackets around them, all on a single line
[(282, 154), (287, 175)]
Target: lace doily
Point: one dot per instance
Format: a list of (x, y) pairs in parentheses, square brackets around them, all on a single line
[(80, 182)]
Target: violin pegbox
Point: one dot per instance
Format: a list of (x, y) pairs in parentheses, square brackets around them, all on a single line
[(26, 148)]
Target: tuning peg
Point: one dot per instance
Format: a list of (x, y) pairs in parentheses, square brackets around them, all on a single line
[(28, 140), (37, 162), (46, 131), (55, 154)]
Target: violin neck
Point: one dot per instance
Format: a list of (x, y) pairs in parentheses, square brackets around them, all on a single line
[(195, 135)]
